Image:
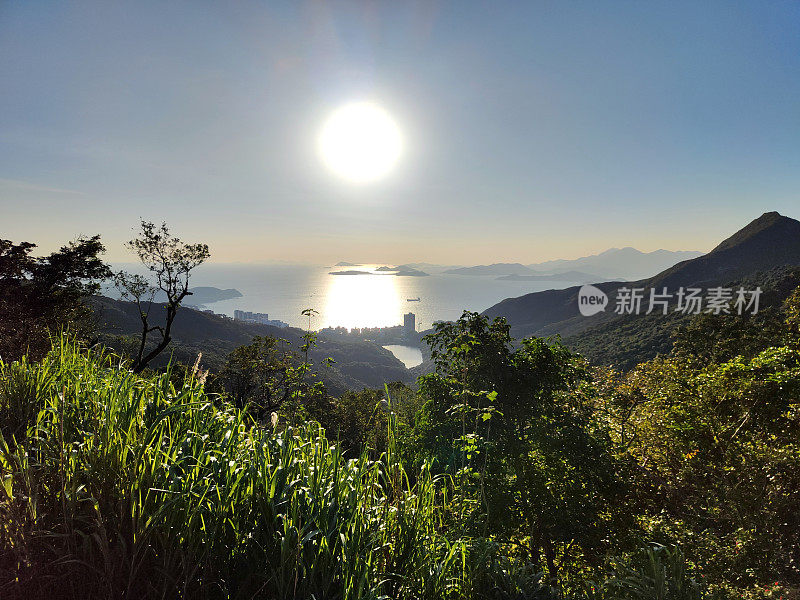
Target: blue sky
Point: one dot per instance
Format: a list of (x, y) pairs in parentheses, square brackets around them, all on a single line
[(533, 130)]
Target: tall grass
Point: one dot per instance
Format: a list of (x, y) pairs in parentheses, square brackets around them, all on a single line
[(121, 486)]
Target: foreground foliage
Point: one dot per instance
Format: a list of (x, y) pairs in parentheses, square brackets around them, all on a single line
[(514, 426), (116, 485), (515, 472), (40, 294)]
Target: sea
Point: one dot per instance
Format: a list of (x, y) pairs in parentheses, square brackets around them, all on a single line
[(377, 299)]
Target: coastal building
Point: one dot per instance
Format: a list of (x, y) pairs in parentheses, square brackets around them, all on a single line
[(252, 317), (277, 323), (409, 323), (256, 317)]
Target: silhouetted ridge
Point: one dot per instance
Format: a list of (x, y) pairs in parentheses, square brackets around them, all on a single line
[(771, 241), (763, 223)]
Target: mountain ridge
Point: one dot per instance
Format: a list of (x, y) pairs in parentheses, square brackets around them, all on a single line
[(626, 262), (770, 241)]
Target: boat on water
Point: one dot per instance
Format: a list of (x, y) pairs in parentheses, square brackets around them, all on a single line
[(412, 299)]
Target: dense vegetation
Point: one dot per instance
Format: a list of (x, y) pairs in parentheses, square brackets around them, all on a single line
[(627, 340), (39, 294), (514, 471), (115, 485)]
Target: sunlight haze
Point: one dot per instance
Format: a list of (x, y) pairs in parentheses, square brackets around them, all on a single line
[(577, 130)]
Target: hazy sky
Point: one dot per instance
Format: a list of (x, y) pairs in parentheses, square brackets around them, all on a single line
[(533, 130)]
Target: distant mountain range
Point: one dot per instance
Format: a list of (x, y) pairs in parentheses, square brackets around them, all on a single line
[(495, 270), (431, 268), (768, 243), (616, 263), (613, 264)]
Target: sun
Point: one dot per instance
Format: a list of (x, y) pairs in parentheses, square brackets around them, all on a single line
[(360, 142)]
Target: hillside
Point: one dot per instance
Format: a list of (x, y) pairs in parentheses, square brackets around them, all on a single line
[(769, 243), (625, 341), (357, 364)]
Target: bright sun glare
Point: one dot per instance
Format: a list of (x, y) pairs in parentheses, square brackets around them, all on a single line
[(360, 142)]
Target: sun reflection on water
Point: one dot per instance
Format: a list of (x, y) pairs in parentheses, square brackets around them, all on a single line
[(363, 301)]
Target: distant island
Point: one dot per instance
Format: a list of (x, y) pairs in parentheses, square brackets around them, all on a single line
[(615, 263), (403, 273), (351, 272), (497, 269), (205, 295), (411, 273)]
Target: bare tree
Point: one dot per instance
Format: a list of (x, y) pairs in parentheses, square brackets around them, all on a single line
[(170, 261)]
